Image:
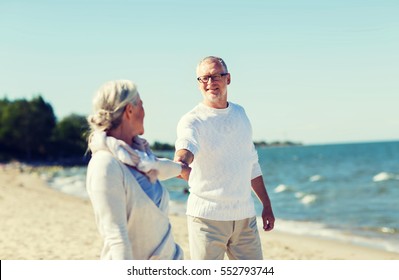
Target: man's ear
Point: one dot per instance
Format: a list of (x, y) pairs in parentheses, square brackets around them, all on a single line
[(228, 79)]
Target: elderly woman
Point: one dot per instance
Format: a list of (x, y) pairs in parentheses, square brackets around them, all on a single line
[(129, 203)]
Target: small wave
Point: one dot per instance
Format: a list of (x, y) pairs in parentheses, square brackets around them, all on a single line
[(387, 230), (384, 229), (65, 182), (315, 178), (71, 186), (308, 199), (384, 176), (299, 194), (280, 188)]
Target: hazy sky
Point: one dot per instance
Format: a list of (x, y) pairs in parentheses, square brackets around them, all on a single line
[(312, 71)]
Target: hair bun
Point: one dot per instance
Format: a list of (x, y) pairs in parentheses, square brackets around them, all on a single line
[(102, 119)]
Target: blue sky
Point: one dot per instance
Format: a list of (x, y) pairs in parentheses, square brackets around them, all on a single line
[(311, 71)]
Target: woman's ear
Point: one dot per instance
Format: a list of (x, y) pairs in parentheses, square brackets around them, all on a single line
[(129, 110)]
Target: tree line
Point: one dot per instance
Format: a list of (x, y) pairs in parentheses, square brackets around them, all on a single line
[(30, 131)]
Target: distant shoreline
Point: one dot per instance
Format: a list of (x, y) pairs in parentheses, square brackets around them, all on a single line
[(277, 144)]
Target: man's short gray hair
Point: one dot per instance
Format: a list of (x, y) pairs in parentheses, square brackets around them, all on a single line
[(214, 58)]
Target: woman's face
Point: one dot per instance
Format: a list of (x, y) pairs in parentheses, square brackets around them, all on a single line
[(138, 117)]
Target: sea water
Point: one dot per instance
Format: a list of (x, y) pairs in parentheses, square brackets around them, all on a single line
[(348, 192)]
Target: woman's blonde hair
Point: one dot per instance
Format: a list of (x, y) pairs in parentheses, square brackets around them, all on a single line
[(109, 104)]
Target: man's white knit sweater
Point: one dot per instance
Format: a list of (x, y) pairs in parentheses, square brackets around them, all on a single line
[(225, 162)]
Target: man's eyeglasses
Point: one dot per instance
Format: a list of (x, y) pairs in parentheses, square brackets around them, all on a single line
[(216, 77)]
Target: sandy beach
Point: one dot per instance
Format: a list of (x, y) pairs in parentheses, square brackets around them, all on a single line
[(39, 223)]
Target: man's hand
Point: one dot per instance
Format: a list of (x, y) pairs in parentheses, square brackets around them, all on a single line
[(268, 218), (185, 158), (267, 214)]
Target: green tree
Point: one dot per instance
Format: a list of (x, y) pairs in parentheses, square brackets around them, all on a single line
[(26, 127), (4, 154), (70, 136), (158, 146), (42, 123)]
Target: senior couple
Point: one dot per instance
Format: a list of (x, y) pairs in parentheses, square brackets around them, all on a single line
[(214, 153)]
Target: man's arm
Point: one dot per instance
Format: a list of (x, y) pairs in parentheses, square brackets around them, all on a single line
[(267, 214), (185, 157)]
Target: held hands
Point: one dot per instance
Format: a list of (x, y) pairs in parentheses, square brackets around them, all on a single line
[(185, 171), (184, 157)]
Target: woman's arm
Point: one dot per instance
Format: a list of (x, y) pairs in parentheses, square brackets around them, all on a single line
[(105, 185)]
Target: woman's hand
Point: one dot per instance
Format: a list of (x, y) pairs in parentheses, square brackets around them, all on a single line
[(185, 171)]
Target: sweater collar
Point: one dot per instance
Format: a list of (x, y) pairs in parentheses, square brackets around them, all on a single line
[(214, 110)]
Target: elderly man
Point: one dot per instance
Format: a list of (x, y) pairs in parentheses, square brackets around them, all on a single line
[(215, 139)]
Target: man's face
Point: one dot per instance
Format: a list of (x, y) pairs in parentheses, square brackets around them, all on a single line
[(214, 90)]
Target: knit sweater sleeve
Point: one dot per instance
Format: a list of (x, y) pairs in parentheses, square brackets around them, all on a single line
[(187, 135), (168, 169), (105, 185), (256, 170)]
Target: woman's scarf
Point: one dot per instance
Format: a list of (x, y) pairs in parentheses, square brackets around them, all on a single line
[(138, 155)]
